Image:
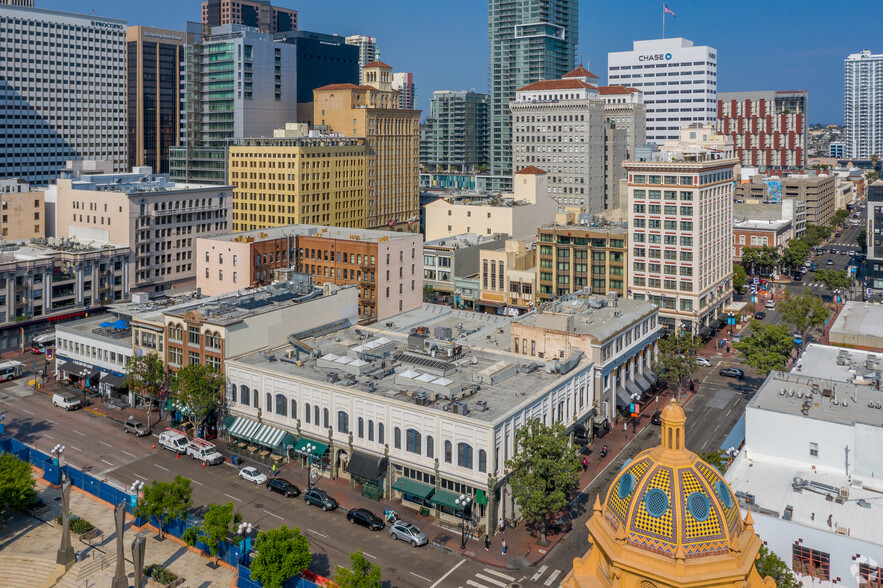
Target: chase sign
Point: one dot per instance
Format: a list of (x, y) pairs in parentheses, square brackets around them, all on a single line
[(655, 57)]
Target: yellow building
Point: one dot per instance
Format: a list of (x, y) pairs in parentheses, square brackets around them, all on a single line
[(23, 214), (298, 178), (669, 520), (393, 136), (508, 278)]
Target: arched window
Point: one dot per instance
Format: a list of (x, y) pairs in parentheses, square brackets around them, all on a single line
[(280, 404), (397, 438), (380, 435), (316, 415), (307, 412), (269, 402), (293, 408), (412, 441), (326, 418), (256, 397), (464, 455), (482, 461), (430, 446), (343, 422), (361, 430), (561, 411), (243, 395), (370, 430), (448, 451)]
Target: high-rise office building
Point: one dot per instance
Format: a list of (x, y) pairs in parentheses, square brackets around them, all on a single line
[(367, 51), (72, 102), (154, 57), (679, 81), (768, 128), (258, 14), (24, 3), (393, 135), (404, 83), (863, 104), (455, 136), (625, 107), (530, 40), (215, 111)]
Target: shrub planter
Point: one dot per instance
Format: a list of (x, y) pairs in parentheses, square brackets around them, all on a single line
[(160, 577)]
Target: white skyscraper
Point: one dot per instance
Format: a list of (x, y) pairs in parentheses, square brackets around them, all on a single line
[(863, 104), (367, 51), (679, 82)]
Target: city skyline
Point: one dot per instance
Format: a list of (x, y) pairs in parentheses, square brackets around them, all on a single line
[(409, 45)]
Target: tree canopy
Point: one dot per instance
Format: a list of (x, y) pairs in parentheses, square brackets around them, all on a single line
[(815, 234), (862, 239), (282, 553), (740, 278), (834, 279), (544, 470), (795, 254), (768, 347), (361, 573), (200, 388), (770, 564), (145, 376), (16, 484), (803, 311), (217, 525), (676, 359), (765, 258), (839, 216), (166, 501)]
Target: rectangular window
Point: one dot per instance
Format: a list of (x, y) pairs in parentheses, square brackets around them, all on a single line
[(810, 562), (870, 576), (193, 335), (814, 449)]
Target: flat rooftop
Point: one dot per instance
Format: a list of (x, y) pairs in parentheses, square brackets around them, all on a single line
[(861, 319), (593, 315), (121, 333), (822, 399), (470, 328), (491, 384), (608, 228), (761, 225), (370, 235), (461, 241), (37, 249), (838, 364)]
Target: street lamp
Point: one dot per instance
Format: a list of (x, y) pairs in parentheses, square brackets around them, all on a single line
[(137, 486), (310, 447), (244, 530), (462, 504), (57, 451)]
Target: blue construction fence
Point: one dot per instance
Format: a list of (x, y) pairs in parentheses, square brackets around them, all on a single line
[(245, 581)]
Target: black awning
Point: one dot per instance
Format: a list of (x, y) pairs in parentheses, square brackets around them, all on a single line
[(69, 367), (622, 397), (366, 466), (112, 380), (706, 332), (716, 324)]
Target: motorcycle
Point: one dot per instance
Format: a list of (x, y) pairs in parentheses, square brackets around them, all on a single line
[(604, 452)]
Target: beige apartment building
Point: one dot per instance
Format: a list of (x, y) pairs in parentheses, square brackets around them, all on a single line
[(508, 279), (624, 107), (393, 143), (157, 219), (298, 177), (23, 214), (818, 192)]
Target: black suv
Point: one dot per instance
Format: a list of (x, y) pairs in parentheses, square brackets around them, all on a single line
[(321, 498), (283, 487), (366, 518)]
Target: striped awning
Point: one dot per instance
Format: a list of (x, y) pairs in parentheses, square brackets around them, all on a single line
[(244, 428), (268, 436)]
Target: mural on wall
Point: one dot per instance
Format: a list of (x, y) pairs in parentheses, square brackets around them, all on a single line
[(774, 191)]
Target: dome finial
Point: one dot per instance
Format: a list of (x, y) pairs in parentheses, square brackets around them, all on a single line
[(673, 419)]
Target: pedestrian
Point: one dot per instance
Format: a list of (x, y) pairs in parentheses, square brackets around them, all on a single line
[(502, 525), (812, 516), (274, 470), (625, 428), (634, 425), (829, 519), (504, 546), (487, 542)]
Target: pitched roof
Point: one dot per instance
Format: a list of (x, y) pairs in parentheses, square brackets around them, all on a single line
[(377, 64), (346, 86), (607, 90), (580, 72), (571, 84), (530, 170)]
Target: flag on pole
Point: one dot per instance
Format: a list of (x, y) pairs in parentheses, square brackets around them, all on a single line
[(665, 9), (93, 11)]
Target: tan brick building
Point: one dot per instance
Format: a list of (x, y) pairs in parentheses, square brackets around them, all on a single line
[(508, 279), (23, 214), (761, 233)]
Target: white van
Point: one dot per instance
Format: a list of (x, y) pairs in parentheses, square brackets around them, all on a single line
[(66, 402), (174, 440)]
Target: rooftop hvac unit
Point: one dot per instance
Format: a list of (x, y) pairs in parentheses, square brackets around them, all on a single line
[(460, 407), (481, 405), (421, 399), (368, 387), (332, 377)]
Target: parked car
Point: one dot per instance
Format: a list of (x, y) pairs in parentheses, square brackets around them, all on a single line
[(771, 304), (814, 266), (250, 474), (136, 427), (366, 518), (833, 251), (283, 487), (732, 372), (843, 252), (703, 361), (318, 497), (798, 277), (66, 402), (408, 532), (829, 262), (737, 337), (760, 315), (656, 419), (836, 234)]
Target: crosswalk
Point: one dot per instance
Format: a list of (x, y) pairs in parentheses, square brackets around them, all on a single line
[(489, 578)]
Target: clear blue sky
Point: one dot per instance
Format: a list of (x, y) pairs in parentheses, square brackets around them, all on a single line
[(762, 45)]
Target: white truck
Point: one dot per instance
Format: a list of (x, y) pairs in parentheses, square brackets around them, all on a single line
[(174, 440), (204, 451)]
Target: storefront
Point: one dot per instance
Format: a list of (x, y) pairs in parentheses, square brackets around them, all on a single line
[(79, 375), (368, 471), (259, 441)]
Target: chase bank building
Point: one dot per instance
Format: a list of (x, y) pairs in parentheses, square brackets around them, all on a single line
[(679, 82)]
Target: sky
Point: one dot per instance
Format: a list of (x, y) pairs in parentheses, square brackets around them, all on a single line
[(761, 44)]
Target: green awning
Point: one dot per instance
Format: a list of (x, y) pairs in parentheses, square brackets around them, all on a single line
[(480, 497), (244, 428), (229, 421), (318, 451), (413, 487), (446, 498)]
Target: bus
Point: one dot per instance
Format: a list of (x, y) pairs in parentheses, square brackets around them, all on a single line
[(9, 370), (41, 342)]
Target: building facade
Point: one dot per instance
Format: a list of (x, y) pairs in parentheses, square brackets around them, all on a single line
[(393, 136), (681, 232), (404, 83), (529, 41), (670, 105), (313, 178), (258, 14), (156, 219), (863, 104), (791, 210), (444, 260), (625, 108), (817, 192), (22, 211), (769, 129), (154, 56), (367, 51), (508, 279), (215, 111), (756, 234), (456, 135), (90, 355), (43, 121), (874, 250)]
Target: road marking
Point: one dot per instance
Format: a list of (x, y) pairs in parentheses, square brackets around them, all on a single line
[(448, 573), (539, 573), (127, 453), (369, 555), (77, 448), (275, 515), (326, 536), (107, 462), (233, 497), (51, 421), (551, 579), (717, 427), (78, 433), (27, 411), (107, 444), (195, 482), (49, 436), (496, 573), (160, 467), (470, 583), (492, 580), (140, 476), (422, 578)]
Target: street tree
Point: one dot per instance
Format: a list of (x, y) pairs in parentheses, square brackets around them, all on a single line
[(795, 254), (802, 312), (718, 459), (768, 564), (862, 239), (769, 347), (764, 258), (816, 234), (361, 573), (676, 359), (282, 553), (834, 279), (872, 176), (16, 484), (218, 524), (740, 278), (200, 389), (544, 471), (145, 376), (166, 501), (839, 216)]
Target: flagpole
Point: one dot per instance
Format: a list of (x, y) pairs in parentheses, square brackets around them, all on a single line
[(663, 20)]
